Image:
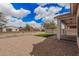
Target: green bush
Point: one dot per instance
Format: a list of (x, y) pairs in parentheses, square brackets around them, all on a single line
[(44, 34)]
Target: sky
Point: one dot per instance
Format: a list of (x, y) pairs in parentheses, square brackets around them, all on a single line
[(32, 6), (36, 13)]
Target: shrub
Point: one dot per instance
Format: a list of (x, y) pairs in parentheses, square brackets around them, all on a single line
[(44, 34)]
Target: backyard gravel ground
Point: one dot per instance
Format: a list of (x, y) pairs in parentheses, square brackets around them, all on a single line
[(18, 44), (26, 44)]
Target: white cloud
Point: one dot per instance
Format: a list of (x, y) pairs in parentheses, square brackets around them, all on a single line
[(35, 25), (42, 4), (38, 17), (15, 22), (53, 10), (41, 12), (21, 13), (20, 23), (47, 14), (66, 5), (49, 19), (8, 9)]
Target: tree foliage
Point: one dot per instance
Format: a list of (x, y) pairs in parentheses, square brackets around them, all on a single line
[(51, 25)]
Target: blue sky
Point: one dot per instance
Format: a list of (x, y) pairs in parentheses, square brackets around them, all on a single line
[(32, 6)]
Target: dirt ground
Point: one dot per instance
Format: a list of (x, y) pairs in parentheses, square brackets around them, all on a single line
[(53, 47), (18, 44), (26, 44)]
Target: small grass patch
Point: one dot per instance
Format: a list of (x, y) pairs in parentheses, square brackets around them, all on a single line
[(44, 34)]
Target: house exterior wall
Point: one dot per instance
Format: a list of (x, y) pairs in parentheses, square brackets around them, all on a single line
[(71, 31), (77, 20), (59, 29), (4, 30), (10, 30)]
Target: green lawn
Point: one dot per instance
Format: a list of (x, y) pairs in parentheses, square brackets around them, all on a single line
[(44, 34)]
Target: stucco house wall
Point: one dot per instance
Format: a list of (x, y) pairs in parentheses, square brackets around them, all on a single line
[(10, 29)]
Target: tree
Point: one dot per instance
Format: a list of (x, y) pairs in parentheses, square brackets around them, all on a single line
[(3, 20), (26, 27), (51, 25)]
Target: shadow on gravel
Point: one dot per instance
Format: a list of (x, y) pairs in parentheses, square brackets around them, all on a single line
[(53, 47)]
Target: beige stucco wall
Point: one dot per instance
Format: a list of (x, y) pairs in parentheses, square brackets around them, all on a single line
[(13, 29), (71, 32), (4, 30)]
